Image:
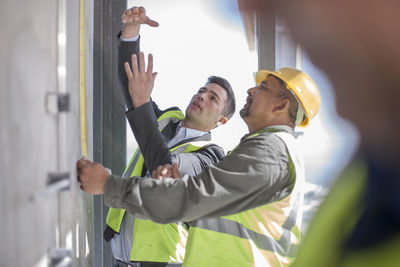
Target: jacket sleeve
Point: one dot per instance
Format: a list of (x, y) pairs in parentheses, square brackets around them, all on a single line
[(254, 174), (125, 51), (193, 163), (154, 147)]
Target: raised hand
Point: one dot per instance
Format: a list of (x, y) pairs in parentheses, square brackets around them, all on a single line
[(141, 81), (166, 170), (132, 19)]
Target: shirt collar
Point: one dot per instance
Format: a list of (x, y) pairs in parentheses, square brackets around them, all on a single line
[(184, 133), (188, 132), (272, 129)]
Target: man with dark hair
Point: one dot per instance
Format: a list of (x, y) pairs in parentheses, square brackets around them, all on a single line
[(163, 136), (230, 104)]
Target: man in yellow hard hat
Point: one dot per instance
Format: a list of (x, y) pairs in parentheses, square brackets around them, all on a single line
[(357, 44), (245, 210)]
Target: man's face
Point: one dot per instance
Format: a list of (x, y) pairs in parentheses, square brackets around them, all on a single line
[(205, 108), (261, 102)]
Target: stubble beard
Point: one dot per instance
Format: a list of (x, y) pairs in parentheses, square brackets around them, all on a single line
[(244, 112)]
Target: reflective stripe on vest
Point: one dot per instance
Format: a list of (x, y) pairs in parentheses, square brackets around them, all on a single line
[(264, 236), (161, 242)]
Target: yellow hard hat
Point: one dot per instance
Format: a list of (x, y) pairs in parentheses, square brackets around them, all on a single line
[(304, 88)]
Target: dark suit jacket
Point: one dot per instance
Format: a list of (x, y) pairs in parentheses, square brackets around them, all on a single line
[(152, 142)]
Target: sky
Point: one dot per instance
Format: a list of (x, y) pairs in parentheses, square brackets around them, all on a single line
[(188, 47), (200, 38)]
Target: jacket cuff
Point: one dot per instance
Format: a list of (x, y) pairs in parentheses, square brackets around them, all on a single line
[(114, 189), (143, 114)]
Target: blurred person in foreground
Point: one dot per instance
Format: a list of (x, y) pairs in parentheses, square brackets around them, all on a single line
[(245, 210), (357, 44)]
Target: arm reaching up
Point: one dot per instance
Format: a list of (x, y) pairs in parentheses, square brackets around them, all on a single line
[(132, 19)]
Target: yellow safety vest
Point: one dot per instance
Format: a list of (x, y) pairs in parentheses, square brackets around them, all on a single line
[(151, 241), (325, 241), (264, 236)]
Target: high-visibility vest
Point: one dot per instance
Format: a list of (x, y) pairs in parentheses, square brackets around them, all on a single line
[(264, 236), (326, 241), (151, 241)]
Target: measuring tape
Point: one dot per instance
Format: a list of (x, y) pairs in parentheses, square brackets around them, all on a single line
[(82, 80)]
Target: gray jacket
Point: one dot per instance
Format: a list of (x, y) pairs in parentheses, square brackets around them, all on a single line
[(256, 173)]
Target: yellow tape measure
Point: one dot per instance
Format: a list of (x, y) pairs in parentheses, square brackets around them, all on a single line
[(82, 80)]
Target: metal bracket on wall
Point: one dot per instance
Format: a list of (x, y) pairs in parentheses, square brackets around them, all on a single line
[(60, 257), (56, 182), (57, 102)]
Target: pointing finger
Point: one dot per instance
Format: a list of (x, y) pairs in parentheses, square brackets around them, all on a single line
[(151, 22)]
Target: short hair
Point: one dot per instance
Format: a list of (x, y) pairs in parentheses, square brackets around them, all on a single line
[(230, 103), (285, 93)]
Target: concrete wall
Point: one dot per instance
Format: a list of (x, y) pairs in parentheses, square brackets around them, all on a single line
[(36, 140)]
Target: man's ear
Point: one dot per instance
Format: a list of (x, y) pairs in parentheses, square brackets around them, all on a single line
[(222, 121), (282, 105)]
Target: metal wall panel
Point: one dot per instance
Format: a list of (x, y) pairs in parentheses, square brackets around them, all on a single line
[(109, 125), (28, 134), (75, 206), (40, 60)]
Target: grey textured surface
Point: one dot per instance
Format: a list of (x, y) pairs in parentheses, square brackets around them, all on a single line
[(34, 143)]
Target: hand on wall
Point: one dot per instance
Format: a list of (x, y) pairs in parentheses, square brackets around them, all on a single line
[(92, 176)]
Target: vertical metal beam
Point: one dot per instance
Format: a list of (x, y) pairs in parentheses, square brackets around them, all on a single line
[(287, 52), (109, 127), (276, 48), (266, 40)]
